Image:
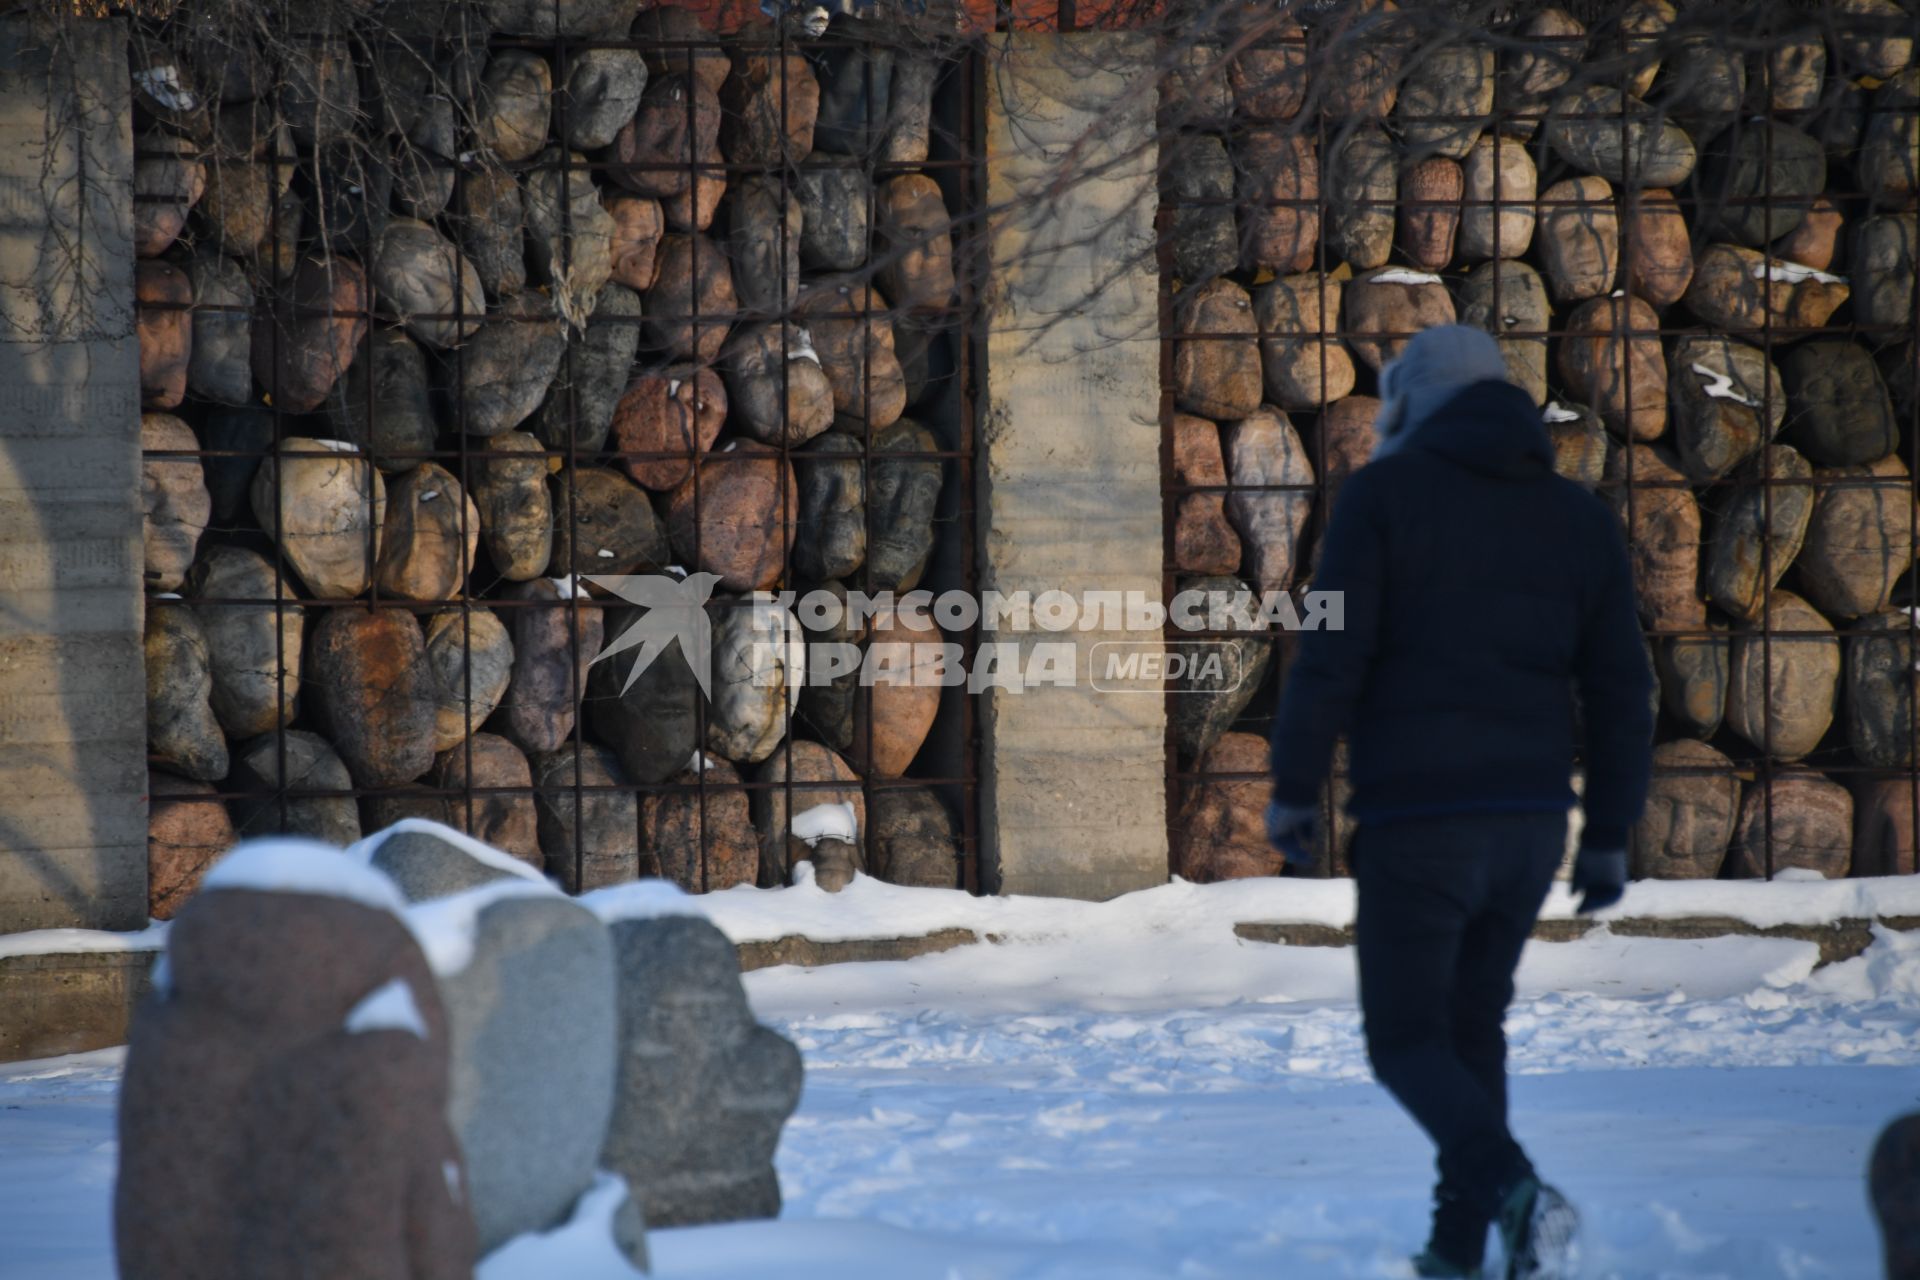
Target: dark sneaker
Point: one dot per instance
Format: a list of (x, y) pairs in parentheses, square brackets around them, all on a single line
[(1458, 1242), (1541, 1232), (1432, 1266)]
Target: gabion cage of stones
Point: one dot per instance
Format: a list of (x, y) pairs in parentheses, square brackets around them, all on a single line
[(446, 313), (1694, 234)]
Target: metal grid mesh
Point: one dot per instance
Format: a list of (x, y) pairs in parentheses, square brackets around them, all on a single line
[(1769, 785), (595, 823)]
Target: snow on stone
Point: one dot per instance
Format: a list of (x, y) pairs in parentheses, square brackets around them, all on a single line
[(1400, 275), (163, 85), (1557, 412), (802, 348), (700, 763), (1793, 273), (1720, 386), (826, 821), (479, 851), (289, 865), (641, 900), (1888, 970), (54, 942), (444, 927), (389, 1007), (338, 446), (568, 587), (582, 1248)]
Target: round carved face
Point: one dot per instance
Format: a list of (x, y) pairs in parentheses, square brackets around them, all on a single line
[(1801, 708), (914, 840), (831, 538), (905, 491), (655, 722)]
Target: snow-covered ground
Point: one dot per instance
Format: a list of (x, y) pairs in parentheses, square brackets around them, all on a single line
[(1143, 1094)]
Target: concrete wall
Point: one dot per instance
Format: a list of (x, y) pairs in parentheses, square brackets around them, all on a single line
[(1073, 801), (72, 682)]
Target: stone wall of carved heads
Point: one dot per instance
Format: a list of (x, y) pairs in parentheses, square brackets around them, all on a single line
[(1699, 257), (452, 319)]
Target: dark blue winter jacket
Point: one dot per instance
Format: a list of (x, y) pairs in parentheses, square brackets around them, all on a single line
[(1481, 591)]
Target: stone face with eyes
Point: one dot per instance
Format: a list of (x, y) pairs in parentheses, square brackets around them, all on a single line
[(777, 384), (675, 413), (903, 492), (1785, 687), (1507, 297), (852, 333), (173, 492), (545, 690), (735, 515), (1879, 673), (914, 839), (1860, 539), (831, 540), (653, 725), (1684, 831)]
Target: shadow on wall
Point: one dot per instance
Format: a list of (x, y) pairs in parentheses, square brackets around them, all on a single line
[(72, 760)]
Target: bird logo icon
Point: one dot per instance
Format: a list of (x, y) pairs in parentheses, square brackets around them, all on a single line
[(676, 610)]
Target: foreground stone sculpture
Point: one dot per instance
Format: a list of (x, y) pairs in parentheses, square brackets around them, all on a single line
[(703, 1089), (283, 1111), (529, 1003)]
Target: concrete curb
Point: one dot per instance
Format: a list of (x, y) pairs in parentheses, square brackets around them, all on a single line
[(1840, 940), (71, 1002)]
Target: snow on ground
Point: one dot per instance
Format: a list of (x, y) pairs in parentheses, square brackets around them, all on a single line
[(871, 908), (1125, 1099)]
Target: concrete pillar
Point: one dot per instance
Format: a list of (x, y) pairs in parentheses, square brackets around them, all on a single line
[(72, 681), (1073, 800)]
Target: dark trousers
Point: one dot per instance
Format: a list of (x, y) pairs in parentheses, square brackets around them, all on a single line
[(1445, 908)]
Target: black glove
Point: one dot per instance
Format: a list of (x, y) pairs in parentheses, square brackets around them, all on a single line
[(1290, 831), (1600, 878)]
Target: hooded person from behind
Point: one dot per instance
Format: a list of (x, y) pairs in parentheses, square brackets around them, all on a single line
[(1482, 593)]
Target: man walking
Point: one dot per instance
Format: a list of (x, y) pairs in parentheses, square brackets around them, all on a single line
[(1482, 593)]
